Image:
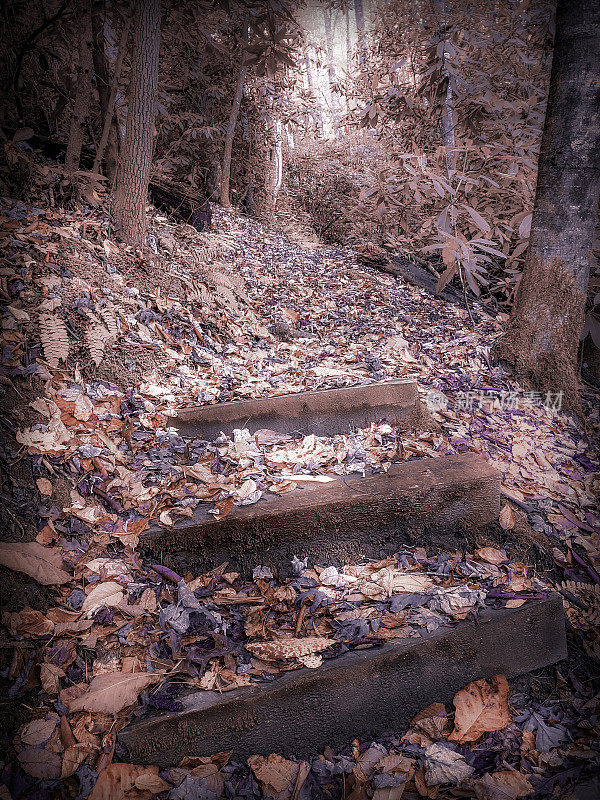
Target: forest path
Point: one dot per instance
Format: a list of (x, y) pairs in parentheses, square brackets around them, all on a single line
[(116, 466)]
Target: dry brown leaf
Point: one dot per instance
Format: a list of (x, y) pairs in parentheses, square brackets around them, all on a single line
[(40, 762), (44, 564), (389, 793), (19, 314), (96, 338), (492, 555), (428, 725), (109, 593), (289, 648), (507, 518), (113, 691), (117, 780), (44, 486), (275, 774), (109, 318), (149, 781), (50, 676), (395, 764), (506, 784), (73, 758), (84, 408), (39, 731), (481, 707), (55, 340), (28, 622)]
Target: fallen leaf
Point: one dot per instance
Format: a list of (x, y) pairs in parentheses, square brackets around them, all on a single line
[(507, 518), (428, 725), (289, 648), (43, 564), (112, 691), (443, 765), (149, 781), (492, 555), (28, 622), (50, 676), (84, 408), (19, 314), (481, 707), (275, 774), (389, 793), (40, 763), (44, 486), (109, 593), (117, 780), (410, 582), (506, 784), (39, 731), (73, 758), (515, 602)]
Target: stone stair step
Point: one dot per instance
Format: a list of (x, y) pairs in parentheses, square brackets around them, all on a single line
[(348, 518), (360, 694), (325, 412)]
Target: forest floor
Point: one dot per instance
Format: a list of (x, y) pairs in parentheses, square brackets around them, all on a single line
[(98, 345)]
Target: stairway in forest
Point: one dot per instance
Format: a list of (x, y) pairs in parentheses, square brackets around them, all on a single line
[(429, 501)]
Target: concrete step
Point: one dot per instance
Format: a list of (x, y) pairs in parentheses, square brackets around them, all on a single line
[(349, 518), (325, 412), (359, 694)]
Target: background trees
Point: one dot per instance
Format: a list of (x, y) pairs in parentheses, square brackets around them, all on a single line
[(439, 109), (542, 337), (133, 174)]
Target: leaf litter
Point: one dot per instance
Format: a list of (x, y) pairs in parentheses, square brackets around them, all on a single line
[(250, 315)]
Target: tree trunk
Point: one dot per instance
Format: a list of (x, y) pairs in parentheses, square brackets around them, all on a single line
[(134, 169), (316, 115), (83, 88), (233, 117), (542, 336), (275, 172), (359, 15), (447, 121), (103, 84), (110, 131), (331, 79), (348, 43)]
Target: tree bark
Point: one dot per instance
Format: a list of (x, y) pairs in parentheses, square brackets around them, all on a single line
[(83, 88), (348, 43), (359, 15), (327, 15), (131, 191), (316, 115), (106, 92), (542, 336), (233, 117), (447, 121)]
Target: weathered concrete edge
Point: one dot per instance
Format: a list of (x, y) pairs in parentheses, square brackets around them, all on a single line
[(323, 412), (419, 474), (349, 517), (360, 694)]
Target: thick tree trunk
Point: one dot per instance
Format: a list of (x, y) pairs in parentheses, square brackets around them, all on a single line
[(134, 169), (542, 336), (103, 83), (83, 88), (233, 117)]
